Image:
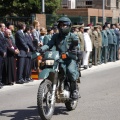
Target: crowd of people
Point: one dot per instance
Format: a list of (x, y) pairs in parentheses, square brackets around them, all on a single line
[(16, 50), (99, 44)]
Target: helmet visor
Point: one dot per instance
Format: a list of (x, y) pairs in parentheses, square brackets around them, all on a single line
[(64, 23)]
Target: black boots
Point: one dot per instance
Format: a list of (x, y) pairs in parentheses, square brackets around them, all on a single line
[(1, 85), (74, 90)]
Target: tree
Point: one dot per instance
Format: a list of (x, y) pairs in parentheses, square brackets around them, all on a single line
[(51, 6), (27, 7)]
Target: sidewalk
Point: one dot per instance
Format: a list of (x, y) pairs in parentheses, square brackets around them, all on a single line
[(84, 72), (101, 67)]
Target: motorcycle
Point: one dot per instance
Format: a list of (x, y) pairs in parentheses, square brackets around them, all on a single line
[(55, 86)]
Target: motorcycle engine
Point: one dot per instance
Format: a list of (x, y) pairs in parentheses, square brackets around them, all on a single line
[(66, 94)]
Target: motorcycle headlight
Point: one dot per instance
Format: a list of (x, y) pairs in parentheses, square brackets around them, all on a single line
[(49, 62)]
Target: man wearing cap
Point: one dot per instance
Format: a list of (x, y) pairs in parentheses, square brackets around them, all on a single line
[(54, 27), (75, 29), (114, 41), (95, 45), (87, 47), (90, 32), (48, 37), (117, 32), (99, 41), (81, 39), (110, 43), (104, 53), (66, 42)]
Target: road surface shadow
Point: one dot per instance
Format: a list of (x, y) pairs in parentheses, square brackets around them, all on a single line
[(31, 113), (60, 110)]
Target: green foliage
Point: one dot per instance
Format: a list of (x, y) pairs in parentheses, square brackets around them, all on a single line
[(52, 5), (27, 7)]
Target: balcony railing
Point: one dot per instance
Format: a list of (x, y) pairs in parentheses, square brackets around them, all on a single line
[(84, 4)]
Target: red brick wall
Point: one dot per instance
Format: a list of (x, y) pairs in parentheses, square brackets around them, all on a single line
[(85, 12), (42, 19)]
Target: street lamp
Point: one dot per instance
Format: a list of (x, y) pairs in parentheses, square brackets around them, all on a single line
[(103, 15), (43, 6)]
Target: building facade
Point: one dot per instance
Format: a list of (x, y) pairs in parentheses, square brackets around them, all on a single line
[(109, 4), (92, 9)]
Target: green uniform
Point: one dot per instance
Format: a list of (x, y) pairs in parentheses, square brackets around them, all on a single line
[(114, 44), (99, 46), (81, 39), (64, 44), (110, 45), (91, 38), (46, 39), (95, 47), (104, 55)]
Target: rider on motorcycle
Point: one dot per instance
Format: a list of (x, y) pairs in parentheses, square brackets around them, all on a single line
[(66, 42)]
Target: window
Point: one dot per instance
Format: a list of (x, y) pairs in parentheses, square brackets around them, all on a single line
[(65, 3), (84, 3), (88, 2)]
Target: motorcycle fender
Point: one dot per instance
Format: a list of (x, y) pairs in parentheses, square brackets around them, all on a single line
[(45, 73)]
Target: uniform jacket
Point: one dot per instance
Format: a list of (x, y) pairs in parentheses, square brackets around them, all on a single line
[(95, 39), (81, 39), (110, 36), (117, 32), (114, 36), (99, 38), (88, 43), (62, 43), (104, 38), (46, 39), (91, 36), (21, 43)]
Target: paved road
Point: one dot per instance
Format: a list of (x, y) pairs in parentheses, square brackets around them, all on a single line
[(99, 88)]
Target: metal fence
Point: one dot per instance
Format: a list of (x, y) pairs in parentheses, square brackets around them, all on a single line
[(16, 20), (50, 19)]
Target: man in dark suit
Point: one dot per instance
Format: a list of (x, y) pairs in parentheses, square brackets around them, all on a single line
[(3, 49), (23, 48), (28, 61)]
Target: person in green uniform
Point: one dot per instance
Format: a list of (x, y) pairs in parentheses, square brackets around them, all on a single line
[(110, 43), (114, 41), (104, 54), (66, 42)]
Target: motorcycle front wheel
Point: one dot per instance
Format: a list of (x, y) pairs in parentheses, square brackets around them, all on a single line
[(71, 104), (45, 109)]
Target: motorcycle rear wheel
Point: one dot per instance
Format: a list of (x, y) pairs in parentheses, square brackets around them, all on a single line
[(45, 109)]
